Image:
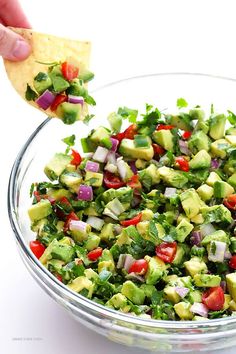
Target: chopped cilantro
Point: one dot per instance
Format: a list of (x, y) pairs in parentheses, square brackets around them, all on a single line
[(128, 113), (30, 94), (181, 103), (231, 117), (87, 118)]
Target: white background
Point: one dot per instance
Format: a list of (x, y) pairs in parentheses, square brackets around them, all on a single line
[(129, 38)]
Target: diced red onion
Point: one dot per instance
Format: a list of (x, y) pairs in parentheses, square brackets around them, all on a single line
[(77, 225), (183, 146), (215, 164), (122, 168), (207, 229), (45, 100), (85, 192), (223, 285), (95, 222), (227, 255), (134, 276), (199, 309), (100, 154), (121, 261), (169, 192), (219, 252), (181, 291), (117, 229), (135, 201), (92, 166), (76, 99), (129, 260), (111, 157), (133, 167), (196, 238), (115, 144)]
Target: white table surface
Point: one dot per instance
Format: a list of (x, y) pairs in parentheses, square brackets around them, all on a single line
[(130, 37)]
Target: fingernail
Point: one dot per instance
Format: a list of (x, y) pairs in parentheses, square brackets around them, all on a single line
[(21, 49)]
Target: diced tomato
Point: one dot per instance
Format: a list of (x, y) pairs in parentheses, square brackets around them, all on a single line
[(186, 135), (58, 100), (164, 127), (37, 248), (112, 181), (158, 150), (182, 163), (95, 254), (69, 71), (37, 196), (119, 136), (214, 298), (232, 262), (166, 251), (133, 221), (230, 202), (134, 182), (65, 204), (130, 132), (139, 267), (76, 158), (69, 217), (59, 277)]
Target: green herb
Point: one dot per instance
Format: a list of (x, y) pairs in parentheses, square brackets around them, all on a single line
[(41, 77), (216, 314), (152, 231), (128, 113), (141, 141), (50, 64), (231, 117), (69, 140), (150, 120), (212, 109), (32, 189), (213, 248), (91, 181), (90, 100), (181, 103), (87, 118), (30, 94)]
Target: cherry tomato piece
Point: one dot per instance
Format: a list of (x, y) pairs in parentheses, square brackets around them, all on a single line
[(76, 158), (37, 248), (164, 127), (69, 217), (112, 181), (95, 254), (214, 298), (232, 262), (134, 221), (69, 71), (182, 163), (166, 251), (58, 100), (186, 135), (134, 182), (230, 202), (139, 267), (158, 150)]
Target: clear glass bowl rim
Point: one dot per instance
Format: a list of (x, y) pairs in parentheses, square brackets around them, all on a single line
[(62, 289)]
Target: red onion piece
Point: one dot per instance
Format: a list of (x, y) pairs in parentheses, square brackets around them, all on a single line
[(215, 164), (129, 260), (223, 285), (227, 255), (92, 166), (100, 154), (111, 157), (181, 291), (85, 192), (219, 252), (133, 167), (76, 99), (78, 225), (207, 229), (95, 222), (183, 146), (115, 144), (117, 229), (199, 309), (169, 192), (196, 238), (134, 276), (45, 100), (121, 261)]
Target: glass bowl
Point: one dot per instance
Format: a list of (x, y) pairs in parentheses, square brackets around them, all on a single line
[(161, 90)]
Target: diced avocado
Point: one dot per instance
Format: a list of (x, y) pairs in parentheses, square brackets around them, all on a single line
[(70, 168), (71, 180), (123, 239), (172, 177), (148, 290), (140, 164), (197, 113), (170, 279), (115, 121), (156, 270), (133, 292), (232, 180), (231, 131), (150, 172), (115, 207), (57, 194), (191, 202), (147, 214), (164, 138), (199, 141), (231, 284), (107, 232), (81, 235), (231, 139), (40, 210), (222, 189), (46, 256), (85, 75), (69, 112), (212, 178), (120, 193), (39, 226), (101, 136), (94, 179), (127, 148), (217, 126), (55, 265), (182, 309), (42, 82), (91, 210), (232, 305), (181, 217), (56, 165), (80, 283), (195, 266), (181, 121), (171, 294), (117, 301), (219, 148), (198, 219), (63, 252), (195, 296), (206, 280), (183, 230), (227, 301), (91, 274), (218, 235), (106, 261), (77, 88), (170, 216), (58, 81), (201, 160), (230, 165), (92, 242), (217, 213), (142, 228), (205, 192), (179, 256)]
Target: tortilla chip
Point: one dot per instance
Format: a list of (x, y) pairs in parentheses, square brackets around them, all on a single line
[(45, 49)]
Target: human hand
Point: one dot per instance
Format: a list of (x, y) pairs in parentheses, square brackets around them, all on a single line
[(12, 46)]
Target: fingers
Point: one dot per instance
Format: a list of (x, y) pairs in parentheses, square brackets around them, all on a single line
[(12, 14), (12, 46)]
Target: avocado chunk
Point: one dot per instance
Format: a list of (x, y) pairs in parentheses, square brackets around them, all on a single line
[(62, 252), (219, 148), (195, 266), (201, 160), (197, 113), (133, 292), (57, 194), (205, 192), (69, 112), (182, 309), (199, 141), (232, 180), (40, 210), (117, 301), (81, 235), (101, 136), (92, 242), (231, 285), (42, 82), (230, 166), (181, 121), (106, 261), (85, 75), (218, 235), (191, 202), (172, 177), (127, 148), (156, 270), (212, 178), (231, 139), (56, 165), (171, 294), (94, 179), (58, 81), (164, 138), (195, 296), (183, 230), (81, 283), (216, 213), (206, 280), (152, 173), (71, 180), (179, 256), (222, 189), (217, 126)]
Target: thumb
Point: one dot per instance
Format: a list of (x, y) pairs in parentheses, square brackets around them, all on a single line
[(13, 46)]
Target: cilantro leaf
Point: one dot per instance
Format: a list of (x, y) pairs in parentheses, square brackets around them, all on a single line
[(41, 77), (231, 117), (181, 103), (152, 231), (150, 120), (128, 113), (30, 94), (87, 118), (69, 141)]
